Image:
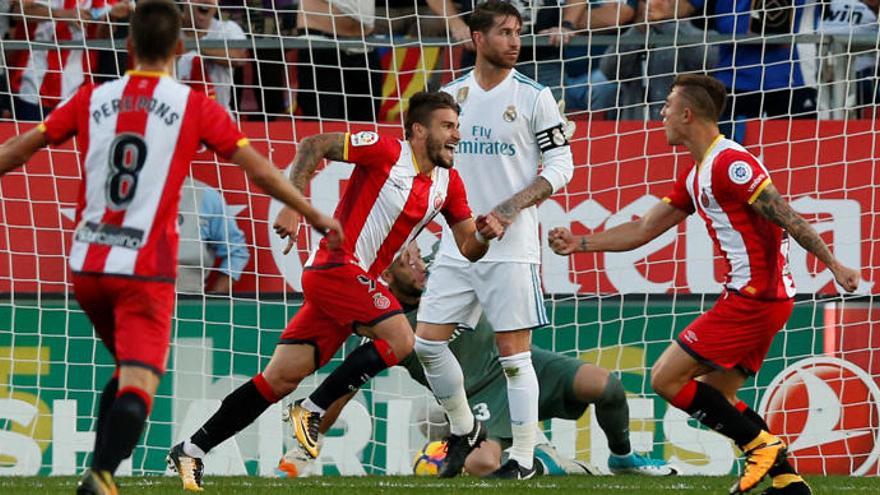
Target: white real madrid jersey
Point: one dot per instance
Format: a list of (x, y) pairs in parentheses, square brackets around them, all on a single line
[(506, 133)]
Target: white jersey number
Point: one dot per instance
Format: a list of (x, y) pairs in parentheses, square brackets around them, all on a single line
[(481, 411)]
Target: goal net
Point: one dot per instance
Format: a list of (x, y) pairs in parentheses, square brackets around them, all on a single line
[(285, 75)]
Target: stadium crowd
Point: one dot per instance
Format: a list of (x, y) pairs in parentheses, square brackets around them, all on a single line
[(625, 79)]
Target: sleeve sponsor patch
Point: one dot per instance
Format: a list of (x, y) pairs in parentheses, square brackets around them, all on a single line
[(364, 138), (554, 137), (739, 172)]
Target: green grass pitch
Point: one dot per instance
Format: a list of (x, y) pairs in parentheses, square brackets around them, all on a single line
[(376, 485)]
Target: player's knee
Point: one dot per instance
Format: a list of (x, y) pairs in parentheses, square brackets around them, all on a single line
[(591, 382), (481, 462), (429, 350), (513, 343), (282, 383), (402, 345), (131, 407), (662, 385)]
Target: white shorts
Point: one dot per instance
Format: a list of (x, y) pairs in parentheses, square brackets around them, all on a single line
[(510, 294)]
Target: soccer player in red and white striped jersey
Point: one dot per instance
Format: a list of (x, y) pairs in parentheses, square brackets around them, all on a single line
[(137, 136), (396, 189), (41, 79), (749, 223)]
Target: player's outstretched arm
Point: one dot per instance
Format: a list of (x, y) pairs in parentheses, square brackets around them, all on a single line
[(472, 236), (269, 179), (772, 206), (506, 211), (16, 151), (309, 154), (660, 218)]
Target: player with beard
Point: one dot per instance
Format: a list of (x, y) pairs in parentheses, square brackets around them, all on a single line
[(749, 222), (513, 154), (396, 188), (568, 387)]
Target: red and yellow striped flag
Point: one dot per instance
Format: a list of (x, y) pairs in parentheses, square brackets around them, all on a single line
[(408, 70)]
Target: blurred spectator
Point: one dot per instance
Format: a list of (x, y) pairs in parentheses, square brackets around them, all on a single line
[(776, 78), (212, 247), (40, 79), (265, 90), (210, 69), (547, 19), (845, 17), (646, 70), (5, 97), (453, 16), (586, 87), (410, 18), (112, 63), (341, 82), (553, 20)]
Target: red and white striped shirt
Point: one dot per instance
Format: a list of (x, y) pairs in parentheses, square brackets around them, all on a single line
[(206, 75), (46, 77), (721, 189), (138, 135), (387, 202)]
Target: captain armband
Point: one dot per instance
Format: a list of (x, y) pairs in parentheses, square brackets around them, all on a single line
[(551, 138)]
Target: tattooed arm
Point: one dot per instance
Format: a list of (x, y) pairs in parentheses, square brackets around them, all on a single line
[(311, 151), (539, 190), (771, 205), (309, 154)]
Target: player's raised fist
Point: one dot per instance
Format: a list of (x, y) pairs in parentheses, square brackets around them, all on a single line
[(846, 277), (561, 241), (489, 227)]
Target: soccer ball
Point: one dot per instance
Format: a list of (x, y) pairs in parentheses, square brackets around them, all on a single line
[(295, 463), (427, 461)]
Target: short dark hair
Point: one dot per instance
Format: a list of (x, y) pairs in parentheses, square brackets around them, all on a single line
[(155, 29), (422, 106), (483, 17), (705, 94)]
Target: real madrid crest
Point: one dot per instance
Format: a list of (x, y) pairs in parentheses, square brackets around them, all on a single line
[(510, 114), (558, 137), (462, 95)]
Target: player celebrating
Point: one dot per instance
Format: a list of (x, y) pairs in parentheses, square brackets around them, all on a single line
[(396, 189), (731, 190), (137, 136), (509, 124), (569, 385)]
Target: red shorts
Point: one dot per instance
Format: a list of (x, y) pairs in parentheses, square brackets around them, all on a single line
[(338, 299), (132, 317), (736, 332)]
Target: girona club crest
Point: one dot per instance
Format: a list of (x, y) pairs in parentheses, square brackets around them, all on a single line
[(828, 412)]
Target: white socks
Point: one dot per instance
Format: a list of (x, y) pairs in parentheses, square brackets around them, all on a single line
[(310, 406), (447, 382), (522, 397), (193, 450)]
